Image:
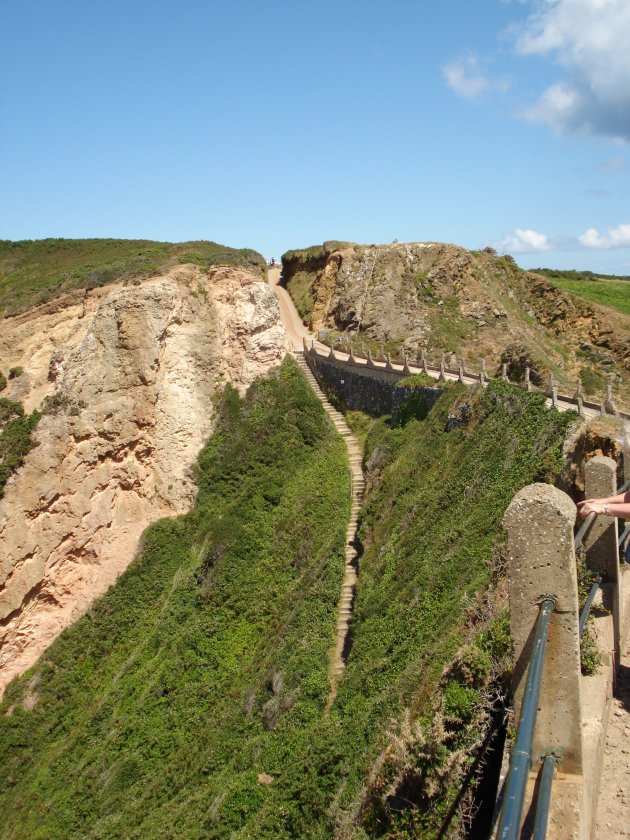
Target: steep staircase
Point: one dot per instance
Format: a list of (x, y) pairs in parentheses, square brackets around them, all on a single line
[(348, 586)]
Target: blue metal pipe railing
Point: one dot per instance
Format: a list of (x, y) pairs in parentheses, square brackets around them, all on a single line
[(544, 798), (509, 823), (586, 609), (584, 529)]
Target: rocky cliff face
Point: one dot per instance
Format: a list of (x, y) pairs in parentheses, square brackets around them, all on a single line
[(434, 297), (126, 375)]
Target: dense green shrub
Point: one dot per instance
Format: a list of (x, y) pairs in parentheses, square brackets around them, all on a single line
[(16, 438)]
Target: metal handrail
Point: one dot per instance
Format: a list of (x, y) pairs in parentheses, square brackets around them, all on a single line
[(584, 529), (520, 762), (544, 798), (586, 609)]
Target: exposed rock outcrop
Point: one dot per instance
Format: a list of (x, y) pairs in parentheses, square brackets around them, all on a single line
[(435, 297), (129, 374)]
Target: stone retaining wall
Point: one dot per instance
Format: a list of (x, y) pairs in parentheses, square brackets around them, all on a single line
[(371, 390)]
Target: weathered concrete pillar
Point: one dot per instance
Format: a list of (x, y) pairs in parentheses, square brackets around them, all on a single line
[(602, 555), (528, 384), (580, 406), (351, 356), (460, 375), (483, 376), (388, 362), (578, 389), (331, 354), (406, 368), (554, 396), (442, 376), (504, 373), (609, 403), (425, 364), (370, 360), (540, 522)]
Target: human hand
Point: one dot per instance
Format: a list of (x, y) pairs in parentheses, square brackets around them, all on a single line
[(589, 506)]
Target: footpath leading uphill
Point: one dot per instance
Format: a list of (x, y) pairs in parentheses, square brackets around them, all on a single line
[(352, 542), (296, 332)]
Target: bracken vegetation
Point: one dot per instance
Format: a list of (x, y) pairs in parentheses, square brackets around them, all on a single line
[(189, 701), (35, 271)]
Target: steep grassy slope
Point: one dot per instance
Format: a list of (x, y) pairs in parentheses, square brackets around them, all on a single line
[(205, 666), (34, 271)]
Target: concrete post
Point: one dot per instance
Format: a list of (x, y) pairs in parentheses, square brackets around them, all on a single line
[(351, 356), (388, 362), (370, 360), (331, 355), (442, 377), (460, 376), (539, 522), (554, 396), (602, 555), (551, 384), (406, 368), (425, 364), (578, 389), (528, 384), (580, 406), (609, 403), (482, 374), (504, 373)]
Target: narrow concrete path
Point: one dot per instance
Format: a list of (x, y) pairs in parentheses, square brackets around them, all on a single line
[(613, 807), (348, 586)]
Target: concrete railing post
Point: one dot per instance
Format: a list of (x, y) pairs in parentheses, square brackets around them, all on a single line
[(528, 384), (504, 373), (442, 376), (483, 376), (602, 554), (425, 364), (540, 522)]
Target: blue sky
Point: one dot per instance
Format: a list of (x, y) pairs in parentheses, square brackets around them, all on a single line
[(281, 125)]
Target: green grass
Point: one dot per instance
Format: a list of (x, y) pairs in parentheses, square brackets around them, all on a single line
[(607, 290), (35, 271), (206, 664)]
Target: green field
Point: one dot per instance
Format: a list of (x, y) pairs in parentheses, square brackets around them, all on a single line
[(607, 290), (35, 271)]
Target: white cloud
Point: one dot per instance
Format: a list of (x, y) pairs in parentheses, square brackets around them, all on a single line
[(589, 39), (617, 237), (467, 77), (524, 242)]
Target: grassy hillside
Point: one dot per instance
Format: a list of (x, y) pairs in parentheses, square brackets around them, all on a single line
[(34, 271), (189, 701), (608, 290)]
